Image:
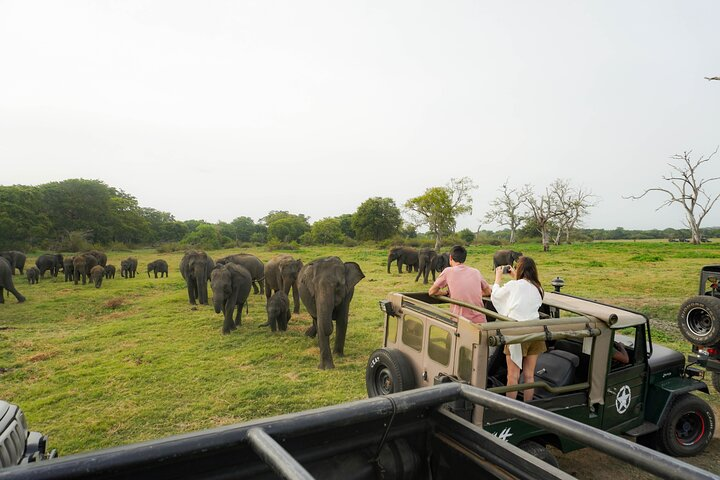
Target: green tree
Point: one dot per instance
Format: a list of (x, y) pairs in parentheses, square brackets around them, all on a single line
[(23, 220), (376, 219), (467, 235), (284, 226), (205, 236), (439, 207), (346, 225), (326, 231)]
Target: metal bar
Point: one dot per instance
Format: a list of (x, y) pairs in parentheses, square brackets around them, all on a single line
[(643, 457), (494, 340), (555, 390), (275, 456)]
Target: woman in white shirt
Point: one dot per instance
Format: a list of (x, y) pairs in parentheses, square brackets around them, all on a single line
[(520, 299)]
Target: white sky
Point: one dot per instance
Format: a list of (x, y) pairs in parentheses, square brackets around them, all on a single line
[(217, 109)]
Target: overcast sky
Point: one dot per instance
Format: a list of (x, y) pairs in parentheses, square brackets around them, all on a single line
[(220, 109)]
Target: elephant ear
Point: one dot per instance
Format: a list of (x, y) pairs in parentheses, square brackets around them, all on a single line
[(353, 274)]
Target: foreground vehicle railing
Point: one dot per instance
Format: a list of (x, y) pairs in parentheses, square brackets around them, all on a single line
[(397, 436)]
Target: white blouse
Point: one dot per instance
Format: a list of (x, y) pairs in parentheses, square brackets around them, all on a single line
[(517, 299)]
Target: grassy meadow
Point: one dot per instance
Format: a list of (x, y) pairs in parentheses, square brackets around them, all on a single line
[(133, 360)]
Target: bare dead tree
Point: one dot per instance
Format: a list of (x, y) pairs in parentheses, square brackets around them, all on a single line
[(687, 190), (574, 202), (506, 208), (544, 210)]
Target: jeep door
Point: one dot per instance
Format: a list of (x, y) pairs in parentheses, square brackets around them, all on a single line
[(625, 385)]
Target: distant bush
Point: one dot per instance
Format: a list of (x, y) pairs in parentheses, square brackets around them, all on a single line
[(278, 245), (350, 242), (118, 246), (595, 263), (75, 241), (169, 247)]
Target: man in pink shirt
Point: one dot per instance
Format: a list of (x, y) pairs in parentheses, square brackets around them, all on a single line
[(464, 283)]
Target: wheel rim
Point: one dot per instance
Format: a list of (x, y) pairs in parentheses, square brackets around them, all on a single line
[(689, 429), (384, 381), (698, 322)]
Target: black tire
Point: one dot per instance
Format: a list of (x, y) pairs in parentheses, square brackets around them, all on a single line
[(699, 320), (538, 451), (716, 381), (388, 371), (688, 427)]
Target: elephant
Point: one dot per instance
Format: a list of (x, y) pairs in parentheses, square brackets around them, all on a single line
[(505, 257), (6, 281), (405, 256), (16, 259), (253, 265), (82, 265), (33, 275), (230, 285), (110, 271), (97, 273), (195, 268), (49, 262), (326, 288), (100, 256), (442, 262), (158, 266), (427, 259), (128, 267), (68, 268), (281, 274), (278, 311)]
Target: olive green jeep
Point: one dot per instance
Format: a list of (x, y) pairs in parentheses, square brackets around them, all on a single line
[(648, 398)]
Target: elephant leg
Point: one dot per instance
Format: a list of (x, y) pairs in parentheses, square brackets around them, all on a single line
[(256, 290), (238, 315), (341, 322), (399, 264), (12, 290), (296, 298), (261, 282), (268, 292), (191, 291), (418, 276), (312, 329), (324, 330)]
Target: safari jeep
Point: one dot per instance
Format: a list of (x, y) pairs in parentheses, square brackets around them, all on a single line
[(649, 398)]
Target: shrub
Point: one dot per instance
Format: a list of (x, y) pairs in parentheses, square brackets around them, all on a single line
[(278, 245), (169, 247)]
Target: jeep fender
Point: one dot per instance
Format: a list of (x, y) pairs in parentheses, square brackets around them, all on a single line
[(662, 394)]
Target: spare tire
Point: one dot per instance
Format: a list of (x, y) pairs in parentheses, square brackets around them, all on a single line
[(388, 371), (699, 320)]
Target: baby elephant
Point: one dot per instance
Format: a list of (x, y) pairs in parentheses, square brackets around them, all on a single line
[(158, 266), (97, 273), (230, 286), (33, 275), (278, 311), (109, 271)]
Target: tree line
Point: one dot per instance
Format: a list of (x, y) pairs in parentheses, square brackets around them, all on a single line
[(74, 214)]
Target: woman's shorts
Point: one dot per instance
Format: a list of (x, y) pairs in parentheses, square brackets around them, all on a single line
[(530, 348)]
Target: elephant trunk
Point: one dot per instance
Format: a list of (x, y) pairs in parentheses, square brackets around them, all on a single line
[(218, 302), (390, 259), (324, 302), (201, 284)]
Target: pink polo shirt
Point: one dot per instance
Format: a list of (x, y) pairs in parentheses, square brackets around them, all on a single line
[(465, 284)]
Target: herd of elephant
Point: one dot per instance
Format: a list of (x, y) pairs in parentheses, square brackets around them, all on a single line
[(427, 261), (325, 286)]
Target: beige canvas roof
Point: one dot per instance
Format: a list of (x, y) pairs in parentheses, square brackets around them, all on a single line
[(613, 316)]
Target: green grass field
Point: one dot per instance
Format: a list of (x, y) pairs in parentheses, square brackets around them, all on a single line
[(134, 361)]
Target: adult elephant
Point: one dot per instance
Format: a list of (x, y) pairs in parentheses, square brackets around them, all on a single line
[(427, 258), (16, 259), (49, 262), (505, 257), (68, 268), (158, 266), (253, 265), (326, 288), (6, 281), (230, 285), (195, 268), (404, 256), (281, 274), (82, 264), (128, 267), (99, 256)]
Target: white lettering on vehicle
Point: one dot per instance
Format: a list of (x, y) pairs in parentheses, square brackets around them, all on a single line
[(374, 361), (504, 435)]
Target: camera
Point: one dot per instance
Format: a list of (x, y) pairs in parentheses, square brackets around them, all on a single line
[(506, 269)]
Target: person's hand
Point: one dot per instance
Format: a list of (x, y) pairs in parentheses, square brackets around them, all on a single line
[(498, 274)]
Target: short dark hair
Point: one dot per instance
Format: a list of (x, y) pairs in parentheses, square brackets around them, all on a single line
[(458, 253)]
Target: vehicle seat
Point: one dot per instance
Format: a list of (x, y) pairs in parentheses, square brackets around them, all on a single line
[(557, 369)]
